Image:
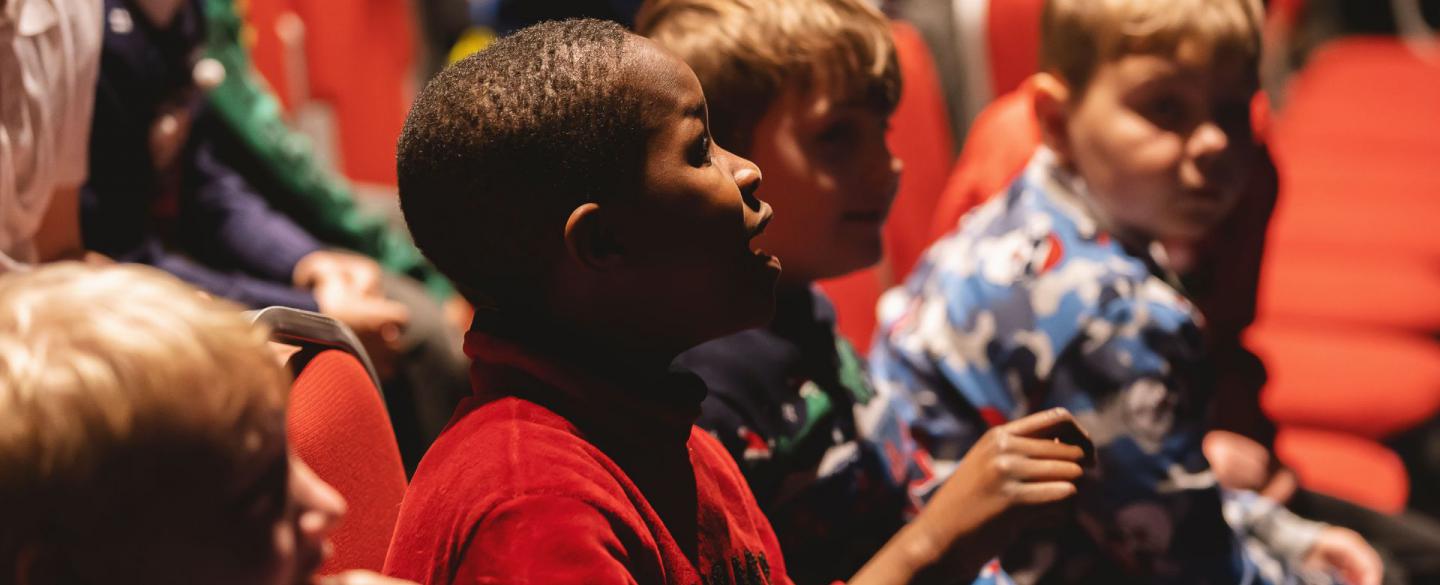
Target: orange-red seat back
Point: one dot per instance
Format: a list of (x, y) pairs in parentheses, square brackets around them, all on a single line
[(358, 58), (1350, 299), (338, 425)]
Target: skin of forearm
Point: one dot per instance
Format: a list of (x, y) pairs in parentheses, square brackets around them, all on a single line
[(929, 551)]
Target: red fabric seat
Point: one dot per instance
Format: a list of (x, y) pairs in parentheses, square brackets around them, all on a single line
[(1352, 468), (338, 425), (1368, 382), (1013, 40), (919, 136), (1352, 288), (1002, 139), (358, 59), (1350, 298)]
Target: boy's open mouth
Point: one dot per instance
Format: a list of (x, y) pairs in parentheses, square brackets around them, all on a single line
[(759, 228), (755, 232)]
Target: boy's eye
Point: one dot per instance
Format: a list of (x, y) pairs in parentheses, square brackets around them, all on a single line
[(699, 155), (1234, 117), (839, 133), (1166, 111)]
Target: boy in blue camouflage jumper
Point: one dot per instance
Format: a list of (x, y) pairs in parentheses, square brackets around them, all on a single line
[(1056, 293)]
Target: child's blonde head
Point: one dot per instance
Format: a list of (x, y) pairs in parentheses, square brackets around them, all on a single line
[(1077, 36), (748, 52), (128, 404)]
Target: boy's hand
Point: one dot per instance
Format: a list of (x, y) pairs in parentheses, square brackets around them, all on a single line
[(1012, 476), (347, 287), (1241, 463), (1343, 551), (378, 322), (359, 578), (345, 272), (1017, 468)]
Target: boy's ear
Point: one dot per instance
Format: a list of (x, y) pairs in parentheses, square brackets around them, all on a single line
[(1052, 110), (589, 239)]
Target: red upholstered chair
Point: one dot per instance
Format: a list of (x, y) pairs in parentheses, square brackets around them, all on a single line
[(919, 136), (338, 425), (1350, 300), (357, 57), (1002, 139)]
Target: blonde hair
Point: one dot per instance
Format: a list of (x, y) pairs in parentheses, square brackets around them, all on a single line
[(124, 395), (1077, 36), (748, 52)]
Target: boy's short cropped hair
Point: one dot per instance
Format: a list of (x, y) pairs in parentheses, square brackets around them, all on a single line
[(501, 146), (129, 405), (748, 52), (1077, 36)]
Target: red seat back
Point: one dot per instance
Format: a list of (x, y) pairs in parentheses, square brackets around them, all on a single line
[(358, 59), (338, 425), (1013, 40), (1002, 139), (1348, 305)]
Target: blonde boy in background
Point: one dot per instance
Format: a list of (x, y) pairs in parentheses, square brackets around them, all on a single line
[(142, 440), (1057, 293)]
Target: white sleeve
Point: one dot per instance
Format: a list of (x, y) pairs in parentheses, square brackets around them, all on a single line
[(86, 32)]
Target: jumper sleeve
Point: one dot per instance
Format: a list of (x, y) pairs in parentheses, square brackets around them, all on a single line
[(547, 539)]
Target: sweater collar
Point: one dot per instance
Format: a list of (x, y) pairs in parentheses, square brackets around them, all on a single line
[(609, 403)]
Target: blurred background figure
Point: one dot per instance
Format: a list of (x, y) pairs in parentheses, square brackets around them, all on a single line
[(49, 57), (168, 187)]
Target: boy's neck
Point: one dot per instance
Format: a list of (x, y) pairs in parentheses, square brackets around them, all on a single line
[(600, 353), (1074, 189)]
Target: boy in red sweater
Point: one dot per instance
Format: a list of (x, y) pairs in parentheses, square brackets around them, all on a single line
[(566, 180)]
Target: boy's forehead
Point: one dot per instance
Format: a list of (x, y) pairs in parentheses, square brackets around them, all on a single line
[(663, 78), (1192, 63)]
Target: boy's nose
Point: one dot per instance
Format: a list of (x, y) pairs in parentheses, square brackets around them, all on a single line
[(1207, 142), (747, 178)]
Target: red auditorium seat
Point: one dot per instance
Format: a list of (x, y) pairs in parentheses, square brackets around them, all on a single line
[(1002, 139), (1013, 41), (1354, 469), (919, 136), (337, 424), (358, 58), (1350, 298)]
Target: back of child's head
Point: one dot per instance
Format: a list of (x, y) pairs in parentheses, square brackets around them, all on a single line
[(1077, 36), (131, 410), (501, 146), (747, 53)]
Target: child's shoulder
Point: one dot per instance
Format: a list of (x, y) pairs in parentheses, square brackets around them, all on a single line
[(1031, 238), (512, 447), (1030, 261)]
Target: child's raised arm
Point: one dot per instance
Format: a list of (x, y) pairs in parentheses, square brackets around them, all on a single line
[(1012, 476)]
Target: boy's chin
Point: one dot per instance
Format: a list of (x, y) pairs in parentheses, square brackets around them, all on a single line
[(841, 259), (1188, 231)]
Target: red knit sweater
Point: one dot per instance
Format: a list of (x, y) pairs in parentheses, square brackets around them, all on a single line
[(546, 476)]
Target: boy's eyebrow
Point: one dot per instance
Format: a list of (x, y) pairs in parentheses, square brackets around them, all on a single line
[(695, 110)]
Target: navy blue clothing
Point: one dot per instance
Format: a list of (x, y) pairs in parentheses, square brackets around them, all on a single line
[(200, 220), (828, 458)]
